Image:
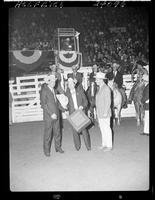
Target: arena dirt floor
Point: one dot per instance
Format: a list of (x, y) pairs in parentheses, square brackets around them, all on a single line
[(125, 168)]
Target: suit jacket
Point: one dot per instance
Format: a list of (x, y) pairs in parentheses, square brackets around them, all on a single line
[(48, 103), (103, 101), (145, 97), (91, 77), (81, 99), (117, 79), (78, 77)]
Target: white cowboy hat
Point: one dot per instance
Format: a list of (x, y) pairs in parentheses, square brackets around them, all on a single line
[(49, 78), (100, 75)]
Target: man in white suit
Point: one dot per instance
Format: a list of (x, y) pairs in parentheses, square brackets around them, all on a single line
[(103, 109)]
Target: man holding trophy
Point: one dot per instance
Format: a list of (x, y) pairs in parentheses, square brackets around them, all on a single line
[(77, 101)]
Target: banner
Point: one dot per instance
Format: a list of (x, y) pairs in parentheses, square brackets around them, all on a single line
[(66, 59), (28, 60)]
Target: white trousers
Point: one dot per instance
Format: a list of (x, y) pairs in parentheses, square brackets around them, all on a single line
[(146, 122), (106, 132)]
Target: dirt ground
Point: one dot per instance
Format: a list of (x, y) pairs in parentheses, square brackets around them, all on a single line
[(125, 168)]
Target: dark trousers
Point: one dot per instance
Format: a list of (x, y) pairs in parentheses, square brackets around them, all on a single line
[(77, 139), (52, 129)]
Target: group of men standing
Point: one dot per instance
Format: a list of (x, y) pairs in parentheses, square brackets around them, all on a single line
[(52, 109), (77, 99)]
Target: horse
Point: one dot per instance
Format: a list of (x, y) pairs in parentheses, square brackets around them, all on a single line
[(116, 101), (136, 96)]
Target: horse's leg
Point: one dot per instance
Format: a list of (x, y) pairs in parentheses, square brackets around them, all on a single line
[(137, 108), (118, 120), (119, 114), (142, 112)]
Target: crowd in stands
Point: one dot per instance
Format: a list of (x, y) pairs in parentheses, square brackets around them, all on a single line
[(100, 42)]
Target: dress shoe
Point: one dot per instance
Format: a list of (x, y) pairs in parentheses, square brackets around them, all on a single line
[(102, 147), (144, 134), (59, 150), (107, 149), (47, 154)]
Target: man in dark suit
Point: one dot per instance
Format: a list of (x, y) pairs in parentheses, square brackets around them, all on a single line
[(77, 100), (93, 73), (91, 91), (145, 101), (76, 76), (51, 115), (117, 76)]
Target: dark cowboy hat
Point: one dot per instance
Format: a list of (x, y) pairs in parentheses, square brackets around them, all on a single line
[(140, 62)]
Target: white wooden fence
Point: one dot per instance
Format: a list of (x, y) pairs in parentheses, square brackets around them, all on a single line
[(26, 98)]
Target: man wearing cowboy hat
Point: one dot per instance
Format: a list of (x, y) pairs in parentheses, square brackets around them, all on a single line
[(51, 115), (77, 100), (103, 110), (117, 77), (145, 101), (67, 46)]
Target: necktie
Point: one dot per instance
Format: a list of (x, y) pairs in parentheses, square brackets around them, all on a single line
[(54, 95)]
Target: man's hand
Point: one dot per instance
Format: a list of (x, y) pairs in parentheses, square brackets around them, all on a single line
[(81, 107), (54, 116)]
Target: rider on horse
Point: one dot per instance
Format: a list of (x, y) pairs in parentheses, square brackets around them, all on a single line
[(117, 77), (139, 70)]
